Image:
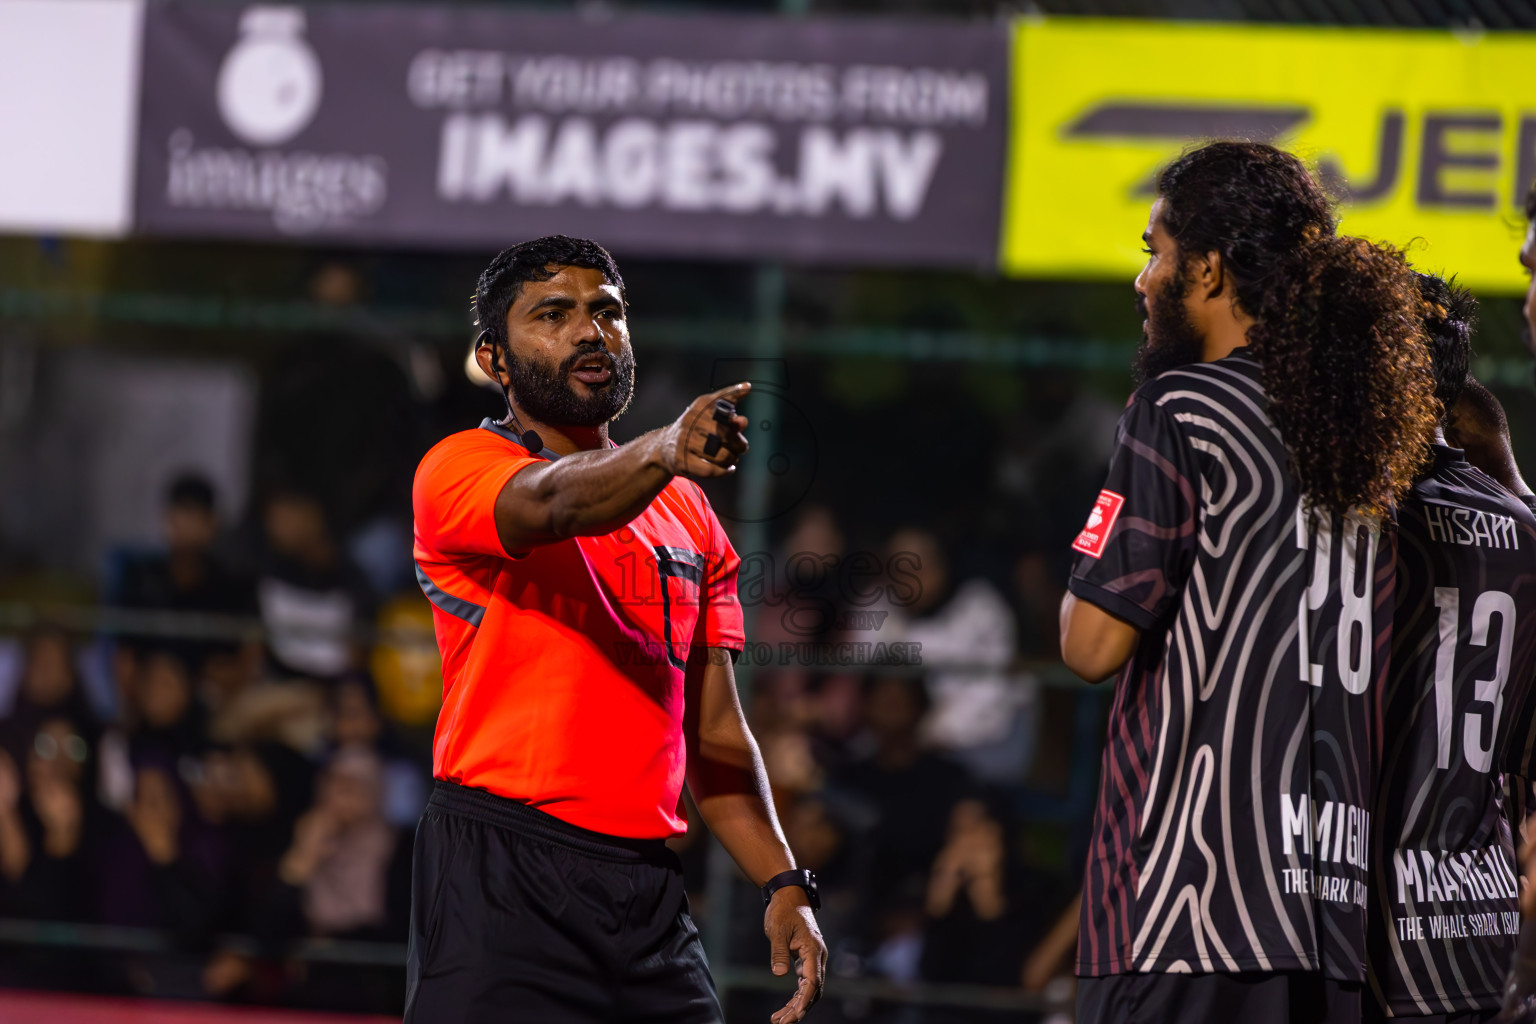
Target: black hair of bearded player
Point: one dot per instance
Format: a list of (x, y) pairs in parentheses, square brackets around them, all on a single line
[(1338, 330)]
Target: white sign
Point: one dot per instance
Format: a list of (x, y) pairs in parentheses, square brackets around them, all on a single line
[(69, 96)]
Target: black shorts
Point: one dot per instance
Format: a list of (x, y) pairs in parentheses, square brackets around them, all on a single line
[(1298, 997), (516, 915)]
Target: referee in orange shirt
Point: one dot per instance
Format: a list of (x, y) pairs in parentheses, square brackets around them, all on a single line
[(585, 605)]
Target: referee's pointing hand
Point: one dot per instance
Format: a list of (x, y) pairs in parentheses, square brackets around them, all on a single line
[(686, 446), (791, 929)]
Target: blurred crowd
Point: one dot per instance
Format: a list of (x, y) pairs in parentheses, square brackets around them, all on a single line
[(902, 785), (238, 762), (221, 764)]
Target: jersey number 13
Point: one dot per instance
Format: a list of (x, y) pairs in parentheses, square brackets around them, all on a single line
[(1488, 691)]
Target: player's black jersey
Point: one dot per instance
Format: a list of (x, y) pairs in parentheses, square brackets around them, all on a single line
[(1444, 899), (1232, 826)]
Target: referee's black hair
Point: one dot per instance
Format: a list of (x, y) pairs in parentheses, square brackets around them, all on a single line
[(1449, 319), (1530, 202), (534, 260)]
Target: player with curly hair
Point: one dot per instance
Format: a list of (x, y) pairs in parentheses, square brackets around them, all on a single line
[(1235, 576), (1444, 894)]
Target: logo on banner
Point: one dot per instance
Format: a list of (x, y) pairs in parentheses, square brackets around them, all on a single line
[(1427, 139), (268, 91), (1100, 521), (269, 85), (425, 124)]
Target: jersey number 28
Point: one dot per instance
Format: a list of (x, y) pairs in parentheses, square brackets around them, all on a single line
[(1356, 584)]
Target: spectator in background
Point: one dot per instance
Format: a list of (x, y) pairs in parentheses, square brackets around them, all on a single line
[(161, 865), (407, 670), (357, 725), (346, 875), (982, 714), (255, 794), (166, 719), (803, 714), (311, 598), (1038, 588), (979, 925), (15, 846), (1053, 455), (352, 447), (48, 864), (49, 689), (898, 800), (347, 870), (798, 587), (818, 840), (160, 717), (189, 577)]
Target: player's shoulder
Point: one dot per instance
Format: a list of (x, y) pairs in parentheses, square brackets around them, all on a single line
[(687, 502), (461, 456), (680, 490), (1451, 480), (484, 440), (1230, 381)]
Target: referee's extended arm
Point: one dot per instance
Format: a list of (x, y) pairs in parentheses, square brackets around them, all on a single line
[(587, 494), (730, 788)]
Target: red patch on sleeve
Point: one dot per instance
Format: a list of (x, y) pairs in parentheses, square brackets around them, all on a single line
[(1100, 521)]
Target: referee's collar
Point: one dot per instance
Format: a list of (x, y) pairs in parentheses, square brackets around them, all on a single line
[(502, 430), (511, 435)]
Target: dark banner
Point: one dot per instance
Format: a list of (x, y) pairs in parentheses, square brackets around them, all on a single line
[(848, 141)]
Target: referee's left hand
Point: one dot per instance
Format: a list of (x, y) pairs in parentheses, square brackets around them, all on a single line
[(791, 929)]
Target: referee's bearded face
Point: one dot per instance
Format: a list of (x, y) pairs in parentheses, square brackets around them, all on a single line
[(572, 364)]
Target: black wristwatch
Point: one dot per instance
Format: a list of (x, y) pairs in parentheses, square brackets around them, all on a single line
[(798, 876)]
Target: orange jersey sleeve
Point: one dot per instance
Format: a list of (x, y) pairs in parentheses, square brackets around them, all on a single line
[(454, 496)]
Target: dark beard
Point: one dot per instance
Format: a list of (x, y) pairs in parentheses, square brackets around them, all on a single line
[(1170, 339), (547, 396)]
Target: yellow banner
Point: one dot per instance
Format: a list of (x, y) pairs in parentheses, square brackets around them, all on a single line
[(1431, 136)]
